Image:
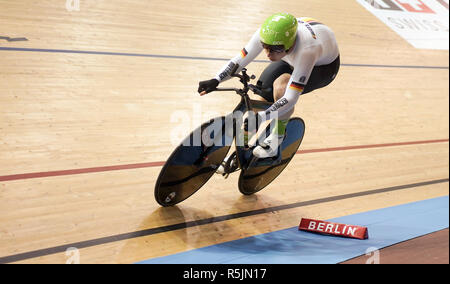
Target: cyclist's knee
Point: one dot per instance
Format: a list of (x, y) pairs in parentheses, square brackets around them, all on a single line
[(280, 85)]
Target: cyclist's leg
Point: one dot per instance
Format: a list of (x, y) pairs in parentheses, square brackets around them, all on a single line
[(269, 146), (321, 76), (266, 82), (279, 89), (273, 82), (268, 77)]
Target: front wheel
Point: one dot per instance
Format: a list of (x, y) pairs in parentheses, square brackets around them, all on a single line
[(192, 163)]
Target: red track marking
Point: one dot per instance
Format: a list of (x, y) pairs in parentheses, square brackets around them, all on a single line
[(158, 164), (369, 146), (80, 171)]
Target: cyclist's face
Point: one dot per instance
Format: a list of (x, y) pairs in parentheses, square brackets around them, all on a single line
[(274, 52), (274, 55)]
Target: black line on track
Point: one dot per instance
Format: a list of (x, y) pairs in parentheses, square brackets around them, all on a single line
[(152, 231)]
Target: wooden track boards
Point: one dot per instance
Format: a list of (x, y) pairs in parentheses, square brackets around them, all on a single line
[(63, 111)]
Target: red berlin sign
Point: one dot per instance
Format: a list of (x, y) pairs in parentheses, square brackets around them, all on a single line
[(336, 229)]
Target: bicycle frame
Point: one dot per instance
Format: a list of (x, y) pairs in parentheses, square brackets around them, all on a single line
[(246, 104)]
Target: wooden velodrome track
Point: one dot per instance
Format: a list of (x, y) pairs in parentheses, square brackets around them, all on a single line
[(83, 134)]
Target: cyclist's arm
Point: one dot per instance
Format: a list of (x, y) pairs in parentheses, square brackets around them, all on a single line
[(245, 56), (304, 65)]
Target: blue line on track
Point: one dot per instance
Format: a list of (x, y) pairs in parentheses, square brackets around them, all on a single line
[(193, 57)]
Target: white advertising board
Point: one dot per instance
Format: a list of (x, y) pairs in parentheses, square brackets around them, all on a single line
[(423, 23)]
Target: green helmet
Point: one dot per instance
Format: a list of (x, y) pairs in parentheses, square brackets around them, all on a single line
[(279, 29)]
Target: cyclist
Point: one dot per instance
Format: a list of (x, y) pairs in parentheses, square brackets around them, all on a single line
[(304, 55)]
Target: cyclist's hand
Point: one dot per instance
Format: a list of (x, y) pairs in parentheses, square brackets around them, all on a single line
[(207, 86)]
